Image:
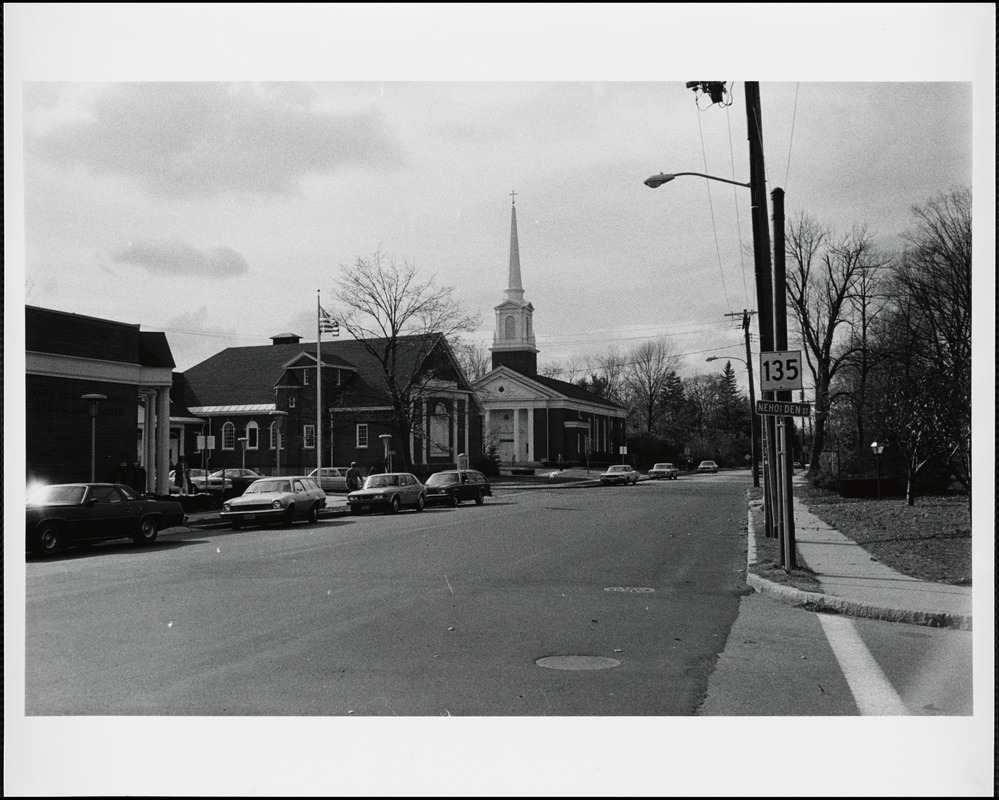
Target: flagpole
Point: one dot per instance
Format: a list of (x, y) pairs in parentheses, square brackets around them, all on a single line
[(319, 391)]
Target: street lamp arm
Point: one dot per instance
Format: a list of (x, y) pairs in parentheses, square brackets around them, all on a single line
[(727, 358), (665, 177)]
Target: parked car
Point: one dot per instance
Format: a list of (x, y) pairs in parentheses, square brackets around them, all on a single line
[(198, 479), (269, 500), (707, 466), (388, 492), (619, 473), (453, 486), (333, 479), (237, 478), (72, 513), (664, 470)]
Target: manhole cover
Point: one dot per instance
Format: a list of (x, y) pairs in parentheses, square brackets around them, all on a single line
[(577, 662), (630, 589)]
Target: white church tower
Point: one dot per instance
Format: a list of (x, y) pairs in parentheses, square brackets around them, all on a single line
[(513, 339)]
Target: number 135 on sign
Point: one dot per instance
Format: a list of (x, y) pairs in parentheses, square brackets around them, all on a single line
[(780, 370)]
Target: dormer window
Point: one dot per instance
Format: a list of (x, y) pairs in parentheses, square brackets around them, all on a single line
[(305, 377)]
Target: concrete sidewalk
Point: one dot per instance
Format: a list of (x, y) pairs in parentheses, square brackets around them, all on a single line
[(854, 583)]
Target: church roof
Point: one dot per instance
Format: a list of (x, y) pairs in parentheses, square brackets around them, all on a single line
[(573, 391)]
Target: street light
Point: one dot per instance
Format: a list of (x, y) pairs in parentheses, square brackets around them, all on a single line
[(94, 400), (278, 415), (242, 443), (878, 448), (665, 177), (387, 440), (752, 414)]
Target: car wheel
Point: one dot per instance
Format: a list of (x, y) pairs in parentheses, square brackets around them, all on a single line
[(147, 532), (48, 539), (314, 513), (480, 498), (453, 499), (421, 503), (289, 516), (395, 505)]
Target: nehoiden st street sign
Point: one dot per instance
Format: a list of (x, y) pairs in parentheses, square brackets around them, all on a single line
[(781, 408)]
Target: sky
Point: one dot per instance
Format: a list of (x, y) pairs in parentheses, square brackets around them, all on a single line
[(205, 169)]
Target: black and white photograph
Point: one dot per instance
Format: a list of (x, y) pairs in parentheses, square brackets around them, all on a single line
[(458, 400)]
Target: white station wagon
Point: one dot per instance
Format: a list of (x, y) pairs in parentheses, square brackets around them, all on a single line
[(270, 500)]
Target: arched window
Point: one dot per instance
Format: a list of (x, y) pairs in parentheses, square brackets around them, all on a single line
[(228, 436), (440, 439), (527, 323), (510, 328), (252, 435), (274, 432)]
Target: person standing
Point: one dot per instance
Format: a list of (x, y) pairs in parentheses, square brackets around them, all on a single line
[(180, 475), (353, 477)]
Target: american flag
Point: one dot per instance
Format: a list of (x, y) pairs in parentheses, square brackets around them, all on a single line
[(327, 324)]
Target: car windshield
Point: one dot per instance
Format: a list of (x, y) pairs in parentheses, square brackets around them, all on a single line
[(378, 481), (259, 487), (442, 478), (56, 495), (661, 466), (617, 469)]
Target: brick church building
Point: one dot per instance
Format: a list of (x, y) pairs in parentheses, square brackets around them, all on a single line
[(532, 419)]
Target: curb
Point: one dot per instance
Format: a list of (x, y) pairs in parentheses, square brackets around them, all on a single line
[(832, 604)]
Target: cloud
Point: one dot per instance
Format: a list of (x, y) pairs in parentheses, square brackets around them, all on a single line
[(172, 257), (206, 139)]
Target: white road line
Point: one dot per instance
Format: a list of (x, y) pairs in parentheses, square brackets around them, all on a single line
[(872, 691)]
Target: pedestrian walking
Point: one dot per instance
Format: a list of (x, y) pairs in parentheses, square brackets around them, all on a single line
[(353, 477)]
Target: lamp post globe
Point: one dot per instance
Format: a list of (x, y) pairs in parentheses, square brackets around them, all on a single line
[(94, 400)]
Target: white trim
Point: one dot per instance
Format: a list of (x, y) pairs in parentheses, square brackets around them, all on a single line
[(59, 366), (249, 408), (360, 408)]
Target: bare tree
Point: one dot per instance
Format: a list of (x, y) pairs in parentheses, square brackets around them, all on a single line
[(405, 324), (611, 368), (474, 357), (935, 275), (647, 377), (821, 277)]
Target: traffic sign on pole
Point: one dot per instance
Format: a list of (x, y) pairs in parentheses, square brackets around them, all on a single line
[(782, 408), (780, 370)]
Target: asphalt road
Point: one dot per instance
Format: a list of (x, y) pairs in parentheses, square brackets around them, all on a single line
[(631, 592)]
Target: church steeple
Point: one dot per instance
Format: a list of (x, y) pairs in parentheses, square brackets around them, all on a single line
[(513, 339), (514, 289)]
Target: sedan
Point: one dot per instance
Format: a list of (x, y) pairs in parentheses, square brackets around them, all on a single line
[(388, 493), (664, 470), (77, 513), (268, 500), (453, 486), (333, 479), (707, 466), (619, 473), (198, 479)]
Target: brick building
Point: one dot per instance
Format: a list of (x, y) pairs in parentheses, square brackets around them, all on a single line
[(68, 356), (248, 395)]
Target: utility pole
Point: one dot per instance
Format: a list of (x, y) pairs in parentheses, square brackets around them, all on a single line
[(780, 342), (753, 448), (764, 286)]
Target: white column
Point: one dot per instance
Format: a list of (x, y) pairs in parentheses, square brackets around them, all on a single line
[(516, 434), (163, 442), (148, 438), (531, 455), (454, 428), (467, 420)]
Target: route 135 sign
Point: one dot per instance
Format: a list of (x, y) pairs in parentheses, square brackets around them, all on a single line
[(780, 370)]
